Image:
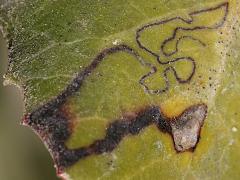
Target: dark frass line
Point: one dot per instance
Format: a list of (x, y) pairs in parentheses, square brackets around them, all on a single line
[(53, 125)]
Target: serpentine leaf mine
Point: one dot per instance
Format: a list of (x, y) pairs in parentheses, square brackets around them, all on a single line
[(128, 90), (53, 126)]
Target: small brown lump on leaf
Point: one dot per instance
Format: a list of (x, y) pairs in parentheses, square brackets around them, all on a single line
[(186, 128)]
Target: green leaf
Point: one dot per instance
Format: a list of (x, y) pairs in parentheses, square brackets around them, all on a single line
[(124, 89)]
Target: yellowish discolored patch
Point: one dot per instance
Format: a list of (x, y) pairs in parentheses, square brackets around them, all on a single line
[(175, 105)]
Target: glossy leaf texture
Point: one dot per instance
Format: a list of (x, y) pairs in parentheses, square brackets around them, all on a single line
[(130, 89)]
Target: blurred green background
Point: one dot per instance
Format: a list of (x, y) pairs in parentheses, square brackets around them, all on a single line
[(22, 154)]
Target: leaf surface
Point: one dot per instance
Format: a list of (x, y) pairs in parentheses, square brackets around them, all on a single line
[(124, 90)]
